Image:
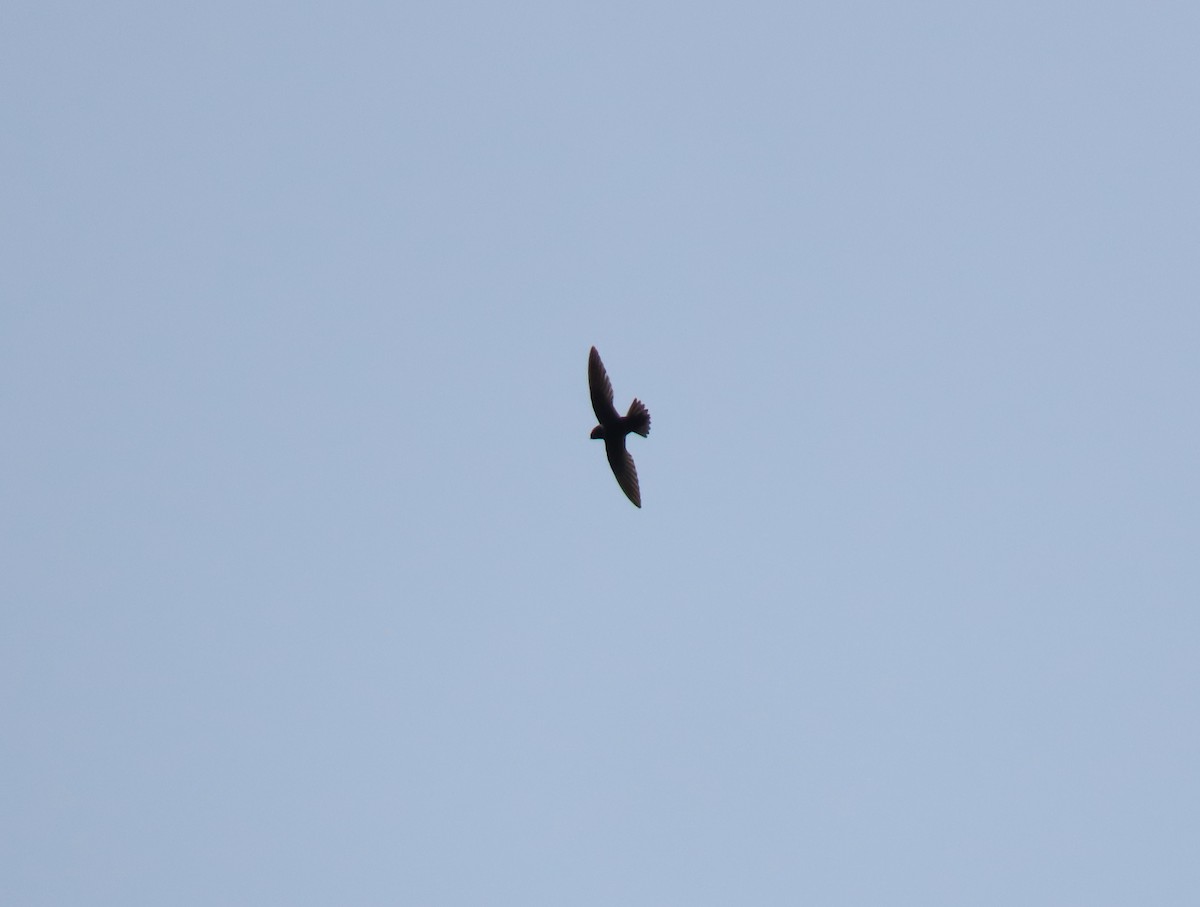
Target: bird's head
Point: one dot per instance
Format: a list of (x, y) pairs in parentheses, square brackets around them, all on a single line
[(598, 433)]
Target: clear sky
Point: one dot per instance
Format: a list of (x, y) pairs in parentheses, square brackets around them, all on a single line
[(315, 590)]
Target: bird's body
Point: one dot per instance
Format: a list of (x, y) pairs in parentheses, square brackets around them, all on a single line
[(614, 427)]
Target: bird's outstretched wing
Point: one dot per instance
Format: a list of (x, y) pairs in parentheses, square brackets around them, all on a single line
[(623, 468), (602, 393)]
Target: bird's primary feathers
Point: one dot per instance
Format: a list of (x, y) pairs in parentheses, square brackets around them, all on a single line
[(614, 427)]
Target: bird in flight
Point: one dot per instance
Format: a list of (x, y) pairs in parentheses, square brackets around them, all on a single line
[(614, 427)]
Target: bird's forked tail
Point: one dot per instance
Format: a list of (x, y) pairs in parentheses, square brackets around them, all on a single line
[(638, 418)]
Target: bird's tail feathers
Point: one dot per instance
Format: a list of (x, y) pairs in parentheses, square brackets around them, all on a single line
[(639, 418)]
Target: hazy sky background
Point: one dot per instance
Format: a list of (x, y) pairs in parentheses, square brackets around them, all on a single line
[(315, 590)]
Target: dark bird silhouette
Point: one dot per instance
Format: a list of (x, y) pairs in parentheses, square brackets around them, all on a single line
[(614, 427)]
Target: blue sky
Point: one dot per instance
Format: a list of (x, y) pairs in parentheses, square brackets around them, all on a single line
[(316, 591)]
